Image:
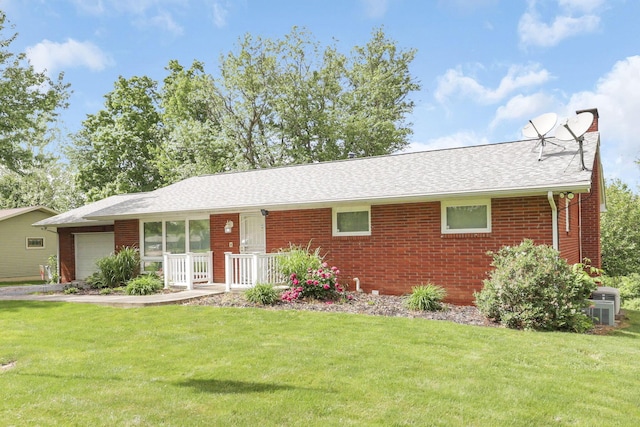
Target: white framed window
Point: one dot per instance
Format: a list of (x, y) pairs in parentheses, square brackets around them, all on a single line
[(466, 216), (35, 242), (179, 235), (352, 221)]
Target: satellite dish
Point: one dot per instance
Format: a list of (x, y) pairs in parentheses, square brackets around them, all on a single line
[(540, 126), (574, 129)]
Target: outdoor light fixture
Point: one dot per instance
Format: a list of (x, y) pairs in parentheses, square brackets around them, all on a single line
[(228, 227), (568, 195), (264, 212)]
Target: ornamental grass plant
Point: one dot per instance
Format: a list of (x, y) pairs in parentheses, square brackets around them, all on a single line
[(426, 297)]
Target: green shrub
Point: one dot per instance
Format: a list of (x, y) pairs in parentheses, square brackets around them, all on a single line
[(532, 287), (144, 285), (426, 298), (71, 290), (298, 260), (630, 287), (319, 284), (632, 304), (262, 293), (116, 269)]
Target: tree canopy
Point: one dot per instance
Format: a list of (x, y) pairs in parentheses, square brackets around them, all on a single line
[(620, 232), (272, 103), (116, 151), (29, 104)]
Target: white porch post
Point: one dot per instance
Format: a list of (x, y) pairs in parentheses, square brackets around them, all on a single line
[(254, 269), (189, 270), (228, 271), (210, 267), (165, 269)]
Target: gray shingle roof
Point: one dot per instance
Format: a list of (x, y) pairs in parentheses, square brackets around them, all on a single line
[(12, 212), (498, 169), (77, 216)]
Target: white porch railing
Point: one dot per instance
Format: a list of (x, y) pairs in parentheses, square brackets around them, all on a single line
[(246, 270), (187, 269)]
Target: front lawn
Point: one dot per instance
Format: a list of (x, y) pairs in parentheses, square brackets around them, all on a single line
[(76, 364)]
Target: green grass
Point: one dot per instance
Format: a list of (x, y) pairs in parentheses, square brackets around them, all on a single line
[(24, 283), (79, 364)]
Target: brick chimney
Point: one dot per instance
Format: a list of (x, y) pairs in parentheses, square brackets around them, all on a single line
[(594, 124)]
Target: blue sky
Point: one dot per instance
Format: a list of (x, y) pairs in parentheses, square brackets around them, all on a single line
[(486, 66)]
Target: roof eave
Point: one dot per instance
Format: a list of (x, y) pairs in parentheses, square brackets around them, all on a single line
[(84, 223), (575, 187)]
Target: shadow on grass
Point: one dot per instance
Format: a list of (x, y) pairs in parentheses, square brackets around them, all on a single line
[(17, 305), (231, 387)]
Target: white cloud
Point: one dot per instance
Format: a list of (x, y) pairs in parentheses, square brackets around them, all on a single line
[(619, 108), (164, 20), (523, 108), (575, 17), (146, 13), (220, 13), (92, 7), (585, 6), (52, 56), (375, 8), (517, 77)]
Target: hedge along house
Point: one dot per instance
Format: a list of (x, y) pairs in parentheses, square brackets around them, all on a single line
[(391, 221), (23, 248)]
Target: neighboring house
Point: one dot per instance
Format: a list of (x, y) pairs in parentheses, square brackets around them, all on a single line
[(24, 248), (391, 221)]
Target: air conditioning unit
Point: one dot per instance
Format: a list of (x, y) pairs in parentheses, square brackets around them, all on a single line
[(602, 312), (607, 293)]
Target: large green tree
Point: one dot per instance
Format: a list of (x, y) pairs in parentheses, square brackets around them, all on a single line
[(46, 182), (272, 102), (29, 105), (116, 150), (289, 101), (193, 144), (620, 231)]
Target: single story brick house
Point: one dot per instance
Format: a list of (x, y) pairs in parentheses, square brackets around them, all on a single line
[(391, 221), (23, 248)]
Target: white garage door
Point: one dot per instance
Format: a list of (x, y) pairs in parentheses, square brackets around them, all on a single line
[(91, 247)]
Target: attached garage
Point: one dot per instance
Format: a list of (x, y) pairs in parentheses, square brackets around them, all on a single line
[(90, 247)]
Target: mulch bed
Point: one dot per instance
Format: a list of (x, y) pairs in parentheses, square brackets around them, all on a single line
[(374, 305)]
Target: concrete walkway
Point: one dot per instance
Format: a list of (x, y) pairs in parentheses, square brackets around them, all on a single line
[(35, 293)]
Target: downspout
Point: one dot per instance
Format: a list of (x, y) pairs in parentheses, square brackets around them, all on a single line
[(580, 225), (554, 219)]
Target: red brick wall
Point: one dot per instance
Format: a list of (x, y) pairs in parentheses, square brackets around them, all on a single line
[(66, 244), (591, 219), (406, 247), (220, 241), (127, 233), (569, 241)]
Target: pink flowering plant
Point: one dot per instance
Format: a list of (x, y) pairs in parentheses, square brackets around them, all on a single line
[(319, 284)]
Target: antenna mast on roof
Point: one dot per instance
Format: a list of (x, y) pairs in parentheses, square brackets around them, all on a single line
[(574, 128), (539, 127)]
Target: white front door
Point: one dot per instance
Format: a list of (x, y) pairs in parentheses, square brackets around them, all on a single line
[(252, 233)]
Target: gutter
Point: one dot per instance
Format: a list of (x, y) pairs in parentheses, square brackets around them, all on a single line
[(554, 219), (576, 188)]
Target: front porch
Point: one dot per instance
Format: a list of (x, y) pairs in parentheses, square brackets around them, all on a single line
[(242, 271)]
